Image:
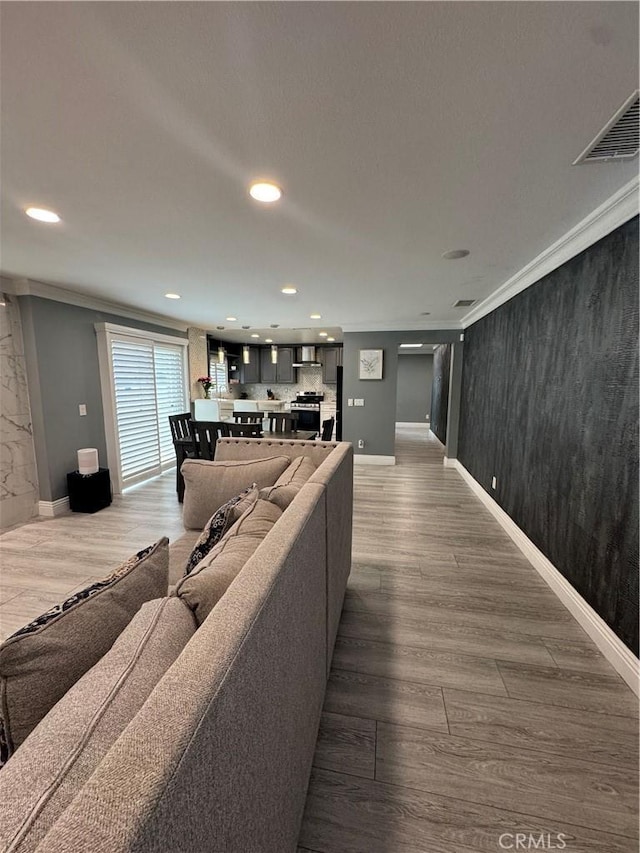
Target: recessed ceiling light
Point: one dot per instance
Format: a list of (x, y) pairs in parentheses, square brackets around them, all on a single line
[(331, 339), (455, 254), (42, 214), (268, 340), (323, 334), (289, 289), (231, 319), (255, 336), (411, 346), (246, 327), (315, 316), (172, 295), (265, 191)]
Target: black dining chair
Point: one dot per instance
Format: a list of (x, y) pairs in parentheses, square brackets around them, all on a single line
[(248, 417), (244, 430), (282, 421), (206, 434), (183, 444), (327, 429)]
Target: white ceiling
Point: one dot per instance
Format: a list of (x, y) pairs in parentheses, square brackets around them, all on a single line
[(397, 131)]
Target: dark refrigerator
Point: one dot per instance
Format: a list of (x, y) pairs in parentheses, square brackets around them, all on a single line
[(339, 403)]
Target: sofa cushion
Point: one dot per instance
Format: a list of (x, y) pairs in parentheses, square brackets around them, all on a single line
[(44, 775), (41, 661), (289, 482), (221, 520), (209, 484), (205, 585)]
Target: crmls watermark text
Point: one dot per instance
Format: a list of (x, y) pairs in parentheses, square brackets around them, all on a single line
[(531, 841)]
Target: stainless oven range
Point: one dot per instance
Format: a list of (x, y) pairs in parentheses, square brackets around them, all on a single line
[(307, 407)]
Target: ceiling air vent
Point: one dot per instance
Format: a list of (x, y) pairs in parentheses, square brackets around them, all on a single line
[(464, 303), (618, 139)]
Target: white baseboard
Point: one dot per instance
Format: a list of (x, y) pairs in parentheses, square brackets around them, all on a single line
[(370, 459), (413, 424), (450, 463), (50, 509), (611, 646)]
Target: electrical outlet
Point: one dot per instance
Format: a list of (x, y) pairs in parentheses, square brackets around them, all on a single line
[(494, 482), (360, 443), (82, 408), (350, 401)]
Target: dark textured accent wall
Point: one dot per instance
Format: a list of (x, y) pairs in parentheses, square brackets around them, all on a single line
[(440, 391), (550, 408)]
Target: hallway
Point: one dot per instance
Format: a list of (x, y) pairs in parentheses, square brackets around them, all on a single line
[(465, 704)]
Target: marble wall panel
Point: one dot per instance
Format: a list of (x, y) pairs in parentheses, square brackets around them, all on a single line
[(18, 478)]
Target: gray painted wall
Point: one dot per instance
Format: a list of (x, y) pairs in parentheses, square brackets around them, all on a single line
[(375, 422), (415, 376), (62, 372)]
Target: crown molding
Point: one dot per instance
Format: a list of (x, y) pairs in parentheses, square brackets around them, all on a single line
[(615, 211), (29, 287)]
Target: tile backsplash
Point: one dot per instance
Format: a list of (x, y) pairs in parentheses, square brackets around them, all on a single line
[(309, 379)]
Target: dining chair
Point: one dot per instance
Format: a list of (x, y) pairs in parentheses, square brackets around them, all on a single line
[(327, 429), (183, 444), (206, 434), (248, 417), (244, 430), (282, 421)]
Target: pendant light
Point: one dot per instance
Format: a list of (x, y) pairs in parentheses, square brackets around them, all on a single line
[(245, 355), (221, 355), (274, 354)]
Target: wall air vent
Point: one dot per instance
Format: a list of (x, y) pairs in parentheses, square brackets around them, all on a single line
[(618, 139), (464, 303)]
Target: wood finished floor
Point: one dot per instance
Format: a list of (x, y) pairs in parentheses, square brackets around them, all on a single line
[(464, 702)]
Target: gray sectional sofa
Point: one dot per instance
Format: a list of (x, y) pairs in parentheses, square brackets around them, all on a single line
[(217, 757)]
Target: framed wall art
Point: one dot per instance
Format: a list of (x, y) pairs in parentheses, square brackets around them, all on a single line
[(370, 364)]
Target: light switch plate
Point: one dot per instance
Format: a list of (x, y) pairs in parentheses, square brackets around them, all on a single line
[(358, 402), (350, 401)]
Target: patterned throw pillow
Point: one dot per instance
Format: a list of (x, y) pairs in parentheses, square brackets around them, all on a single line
[(41, 661), (221, 521)]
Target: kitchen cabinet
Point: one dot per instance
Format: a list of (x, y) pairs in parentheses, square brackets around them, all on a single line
[(331, 359), (250, 373), (286, 372), (268, 370), (282, 373)]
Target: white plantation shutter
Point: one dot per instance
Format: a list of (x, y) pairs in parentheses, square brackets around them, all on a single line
[(148, 381), (169, 372), (135, 396)]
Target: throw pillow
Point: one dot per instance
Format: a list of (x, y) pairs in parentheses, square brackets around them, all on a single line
[(205, 585), (209, 484), (289, 483), (41, 661), (221, 520), (64, 749)]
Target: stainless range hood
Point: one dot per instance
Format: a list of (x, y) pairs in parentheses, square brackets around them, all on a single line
[(307, 358)]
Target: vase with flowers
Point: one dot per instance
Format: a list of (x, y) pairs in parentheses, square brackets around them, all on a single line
[(207, 384)]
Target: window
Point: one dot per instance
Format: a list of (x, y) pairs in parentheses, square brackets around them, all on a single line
[(218, 372), (143, 380)]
